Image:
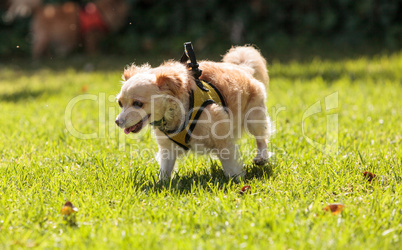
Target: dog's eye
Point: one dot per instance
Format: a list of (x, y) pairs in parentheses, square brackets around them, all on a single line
[(137, 104), (121, 105)]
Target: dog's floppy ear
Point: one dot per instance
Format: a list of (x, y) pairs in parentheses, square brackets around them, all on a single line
[(133, 69), (170, 81)]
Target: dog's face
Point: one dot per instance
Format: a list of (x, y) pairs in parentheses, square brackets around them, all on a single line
[(136, 101), (143, 96)]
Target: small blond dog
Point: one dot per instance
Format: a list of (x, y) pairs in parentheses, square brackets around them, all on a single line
[(205, 115)]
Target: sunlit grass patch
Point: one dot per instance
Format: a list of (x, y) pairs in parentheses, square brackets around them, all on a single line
[(112, 178)]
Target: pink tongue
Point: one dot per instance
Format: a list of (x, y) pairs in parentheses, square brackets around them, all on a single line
[(128, 130)]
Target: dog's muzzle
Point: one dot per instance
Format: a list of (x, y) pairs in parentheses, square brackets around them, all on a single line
[(135, 128)]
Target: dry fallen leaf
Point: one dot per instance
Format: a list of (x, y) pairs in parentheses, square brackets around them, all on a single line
[(68, 208), (245, 189), (84, 88), (369, 176), (335, 208)]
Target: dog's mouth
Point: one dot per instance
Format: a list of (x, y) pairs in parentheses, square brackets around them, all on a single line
[(137, 127)]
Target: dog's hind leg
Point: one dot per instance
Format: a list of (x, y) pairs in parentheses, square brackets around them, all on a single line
[(262, 152), (258, 124)]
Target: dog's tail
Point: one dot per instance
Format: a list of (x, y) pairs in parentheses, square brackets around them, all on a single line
[(251, 58)]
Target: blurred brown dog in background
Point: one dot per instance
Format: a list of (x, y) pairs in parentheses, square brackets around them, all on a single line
[(65, 26)]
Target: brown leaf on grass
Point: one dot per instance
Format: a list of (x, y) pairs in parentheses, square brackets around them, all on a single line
[(335, 208), (68, 208), (245, 189), (369, 176), (84, 88)]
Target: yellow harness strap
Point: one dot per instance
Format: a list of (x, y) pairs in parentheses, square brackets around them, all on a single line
[(204, 94)]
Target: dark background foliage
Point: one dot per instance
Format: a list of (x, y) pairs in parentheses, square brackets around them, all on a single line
[(279, 26)]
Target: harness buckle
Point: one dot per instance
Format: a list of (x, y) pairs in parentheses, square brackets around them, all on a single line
[(189, 54)]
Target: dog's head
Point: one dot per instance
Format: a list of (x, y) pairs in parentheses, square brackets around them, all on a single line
[(144, 96)]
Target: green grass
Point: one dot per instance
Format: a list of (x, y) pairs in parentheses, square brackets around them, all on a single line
[(121, 204)]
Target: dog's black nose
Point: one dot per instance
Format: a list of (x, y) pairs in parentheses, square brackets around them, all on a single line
[(120, 122)]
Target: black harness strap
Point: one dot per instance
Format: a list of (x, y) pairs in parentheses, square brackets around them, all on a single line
[(206, 95), (189, 54)]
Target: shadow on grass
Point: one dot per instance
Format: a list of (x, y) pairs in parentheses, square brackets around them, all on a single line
[(83, 63), (329, 76), (25, 94), (303, 53), (209, 179)]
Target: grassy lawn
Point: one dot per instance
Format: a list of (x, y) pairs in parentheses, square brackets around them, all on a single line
[(47, 113)]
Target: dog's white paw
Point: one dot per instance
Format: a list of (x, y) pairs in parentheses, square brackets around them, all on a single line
[(240, 176)]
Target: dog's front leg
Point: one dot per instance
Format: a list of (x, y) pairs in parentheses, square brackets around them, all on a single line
[(166, 169), (231, 164), (167, 160)]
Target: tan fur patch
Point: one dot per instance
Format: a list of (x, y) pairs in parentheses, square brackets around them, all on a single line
[(133, 69), (169, 81)]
